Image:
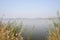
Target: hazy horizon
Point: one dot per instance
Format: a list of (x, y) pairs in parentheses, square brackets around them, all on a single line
[(29, 8)]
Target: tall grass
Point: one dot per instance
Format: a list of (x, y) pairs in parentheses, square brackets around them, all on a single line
[(55, 33), (10, 32)]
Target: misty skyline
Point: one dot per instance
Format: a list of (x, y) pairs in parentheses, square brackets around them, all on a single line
[(29, 8)]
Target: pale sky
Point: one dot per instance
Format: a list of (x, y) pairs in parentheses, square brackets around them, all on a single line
[(29, 8)]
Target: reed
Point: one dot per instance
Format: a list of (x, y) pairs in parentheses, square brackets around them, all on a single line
[(7, 32), (55, 33)]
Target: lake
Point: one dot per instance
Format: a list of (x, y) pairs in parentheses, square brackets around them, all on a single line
[(36, 28)]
